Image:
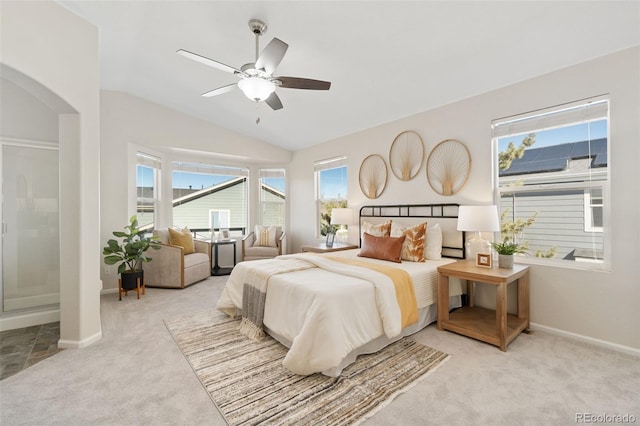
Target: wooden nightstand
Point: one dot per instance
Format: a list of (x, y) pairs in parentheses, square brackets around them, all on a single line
[(495, 327), (322, 247)]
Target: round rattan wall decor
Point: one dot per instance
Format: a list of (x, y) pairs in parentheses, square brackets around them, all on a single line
[(406, 155), (448, 167), (373, 176)]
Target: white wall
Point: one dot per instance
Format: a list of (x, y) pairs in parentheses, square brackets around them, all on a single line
[(24, 116), (597, 306), (57, 49), (129, 123)]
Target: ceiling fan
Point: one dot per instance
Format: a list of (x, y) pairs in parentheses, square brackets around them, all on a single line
[(256, 79)]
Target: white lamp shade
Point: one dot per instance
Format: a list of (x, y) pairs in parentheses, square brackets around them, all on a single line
[(256, 89), (341, 216), (478, 219)]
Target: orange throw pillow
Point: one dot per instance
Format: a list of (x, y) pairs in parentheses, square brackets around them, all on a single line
[(383, 248), (379, 230), (413, 247)]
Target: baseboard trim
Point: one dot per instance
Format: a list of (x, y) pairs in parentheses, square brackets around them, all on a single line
[(29, 302), (79, 344), (108, 290), (13, 322), (596, 342)]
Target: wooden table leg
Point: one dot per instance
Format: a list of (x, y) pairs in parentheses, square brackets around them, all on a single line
[(523, 300), (443, 299), (119, 289), (501, 315)]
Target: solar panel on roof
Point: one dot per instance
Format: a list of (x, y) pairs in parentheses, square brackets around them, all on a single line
[(550, 165), (600, 160), (584, 149), (556, 157)]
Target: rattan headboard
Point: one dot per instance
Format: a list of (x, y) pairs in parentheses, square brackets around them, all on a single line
[(411, 214)]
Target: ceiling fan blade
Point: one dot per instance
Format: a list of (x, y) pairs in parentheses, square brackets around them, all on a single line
[(272, 55), (207, 61), (220, 90), (274, 101), (303, 83)]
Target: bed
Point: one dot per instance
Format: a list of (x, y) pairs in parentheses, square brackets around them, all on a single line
[(330, 308)]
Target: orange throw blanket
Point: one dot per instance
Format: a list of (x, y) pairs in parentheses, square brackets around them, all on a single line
[(402, 282)]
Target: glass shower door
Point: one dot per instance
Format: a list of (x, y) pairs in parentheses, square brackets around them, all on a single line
[(30, 227)]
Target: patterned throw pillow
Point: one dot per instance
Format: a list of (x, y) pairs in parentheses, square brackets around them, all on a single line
[(413, 246), (382, 248), (379, 230), (183, 239), (265, 236)]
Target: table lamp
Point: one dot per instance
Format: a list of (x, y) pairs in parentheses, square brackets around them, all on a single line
[(478, 219), (341, 216)]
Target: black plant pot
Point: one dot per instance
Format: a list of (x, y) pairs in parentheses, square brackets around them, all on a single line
[(129, 279)]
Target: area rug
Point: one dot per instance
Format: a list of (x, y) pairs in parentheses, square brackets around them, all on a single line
[(249, 385)]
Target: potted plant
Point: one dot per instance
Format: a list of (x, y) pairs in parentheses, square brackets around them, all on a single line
[(511, 232), (506, 250), (129, 253)]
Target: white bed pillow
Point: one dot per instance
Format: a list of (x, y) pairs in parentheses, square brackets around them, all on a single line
[(433, 243), (265, 236)]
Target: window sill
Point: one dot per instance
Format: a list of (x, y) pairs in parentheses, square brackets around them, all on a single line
[(566, 264)]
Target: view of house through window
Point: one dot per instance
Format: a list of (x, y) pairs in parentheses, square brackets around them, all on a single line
[(552, 180), (272, 196), (209, 196), (331, 190), (147, 189)]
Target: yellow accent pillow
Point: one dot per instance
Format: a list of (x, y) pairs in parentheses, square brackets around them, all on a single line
[(413, 246), (183, 239)]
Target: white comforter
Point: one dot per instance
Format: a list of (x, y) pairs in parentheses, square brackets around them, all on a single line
[(326, 314)]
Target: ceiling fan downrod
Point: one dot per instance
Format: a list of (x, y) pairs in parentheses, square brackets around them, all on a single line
[(258, 28)]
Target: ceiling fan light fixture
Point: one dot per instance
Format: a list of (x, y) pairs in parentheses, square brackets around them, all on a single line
[(256, 88)]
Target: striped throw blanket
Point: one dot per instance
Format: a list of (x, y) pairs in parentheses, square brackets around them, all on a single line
[(254, 292)]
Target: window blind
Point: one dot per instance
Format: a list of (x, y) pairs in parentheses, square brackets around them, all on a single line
[(330, 163), (148, 160), (210, 169), (562, 115)]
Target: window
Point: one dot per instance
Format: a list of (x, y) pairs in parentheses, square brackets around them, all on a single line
[(147, 189), (219, 219), (331, 190), (593, 209), (552, 178), (208, 196), (272, 196)]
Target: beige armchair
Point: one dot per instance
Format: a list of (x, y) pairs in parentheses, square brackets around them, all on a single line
[(170, 268), (250, 251)]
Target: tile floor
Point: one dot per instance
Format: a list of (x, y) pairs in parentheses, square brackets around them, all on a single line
[(23, 347)]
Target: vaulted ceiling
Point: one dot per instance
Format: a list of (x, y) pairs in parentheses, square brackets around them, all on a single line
[(385, 59)]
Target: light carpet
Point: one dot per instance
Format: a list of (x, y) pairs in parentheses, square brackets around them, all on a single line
[(249, 385)]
